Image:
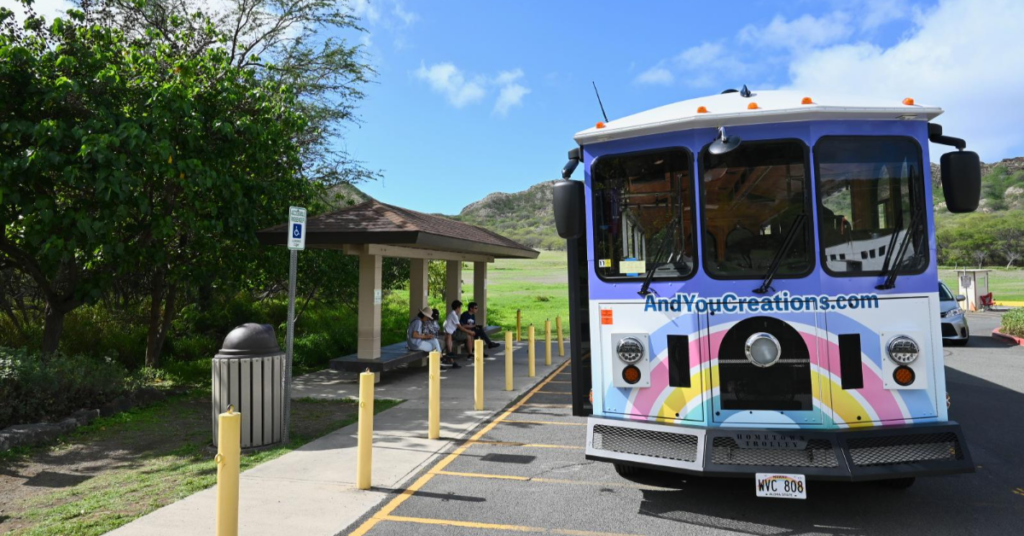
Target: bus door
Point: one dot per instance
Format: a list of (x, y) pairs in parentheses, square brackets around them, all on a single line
[(764, 366), (579, 326)]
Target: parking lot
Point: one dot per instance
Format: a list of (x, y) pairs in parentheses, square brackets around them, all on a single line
[(525, 472)]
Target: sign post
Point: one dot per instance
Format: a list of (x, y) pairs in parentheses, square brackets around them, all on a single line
[(296, 243)]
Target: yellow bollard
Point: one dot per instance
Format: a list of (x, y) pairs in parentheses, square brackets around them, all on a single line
[(547, 343), (531, 351), (434, 410), (229, 450), (478, 375), (509, 355), (561, 341), (364, 458), (518, 325)]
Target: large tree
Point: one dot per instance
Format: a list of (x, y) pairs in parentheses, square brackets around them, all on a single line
[(135, 154)]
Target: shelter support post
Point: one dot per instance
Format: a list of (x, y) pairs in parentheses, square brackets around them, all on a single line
[(418, 292), (452, 283), (370, 297), (480, 292)]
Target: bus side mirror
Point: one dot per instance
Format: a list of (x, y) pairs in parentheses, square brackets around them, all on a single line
[(961, 180), (569, 209)]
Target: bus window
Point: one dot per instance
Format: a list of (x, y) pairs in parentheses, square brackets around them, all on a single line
[(868, 188), (643, 217), (752, 195)]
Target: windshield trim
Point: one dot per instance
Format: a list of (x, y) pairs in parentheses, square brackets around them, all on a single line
[(808, 205), (693, 216), (819, 203)]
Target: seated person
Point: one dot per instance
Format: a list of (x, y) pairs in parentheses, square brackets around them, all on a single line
[(435, 329), (418, 336), (455, 332), (468, 320)]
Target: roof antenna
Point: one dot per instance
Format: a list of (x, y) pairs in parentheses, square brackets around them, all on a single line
[(599, 101), (745, 93)]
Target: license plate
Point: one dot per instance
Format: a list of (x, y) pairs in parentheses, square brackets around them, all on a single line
[(781, 486)]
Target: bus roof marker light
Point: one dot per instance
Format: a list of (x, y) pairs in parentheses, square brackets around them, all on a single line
[(723, 143), (806, 100), (909, 101), (702, 109), (752, 106), (600, 124)]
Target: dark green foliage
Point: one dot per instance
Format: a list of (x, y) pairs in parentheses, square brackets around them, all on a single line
[(36, 387), (1013, 323)]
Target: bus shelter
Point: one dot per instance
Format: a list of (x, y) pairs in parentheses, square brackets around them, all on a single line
[(373, 230)]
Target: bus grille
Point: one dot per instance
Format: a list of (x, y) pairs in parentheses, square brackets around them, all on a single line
[(681, 447), (818, 453), (895, 450)]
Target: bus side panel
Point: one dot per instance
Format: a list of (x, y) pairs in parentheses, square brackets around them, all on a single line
[(661, 400), (880, 402)]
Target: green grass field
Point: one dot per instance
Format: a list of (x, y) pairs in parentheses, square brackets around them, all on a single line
[(1005, 285), (537, 287)]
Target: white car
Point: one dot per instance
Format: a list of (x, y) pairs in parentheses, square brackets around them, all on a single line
[(955, 330)]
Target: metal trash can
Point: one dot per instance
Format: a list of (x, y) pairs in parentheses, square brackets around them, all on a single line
[(248, 373)]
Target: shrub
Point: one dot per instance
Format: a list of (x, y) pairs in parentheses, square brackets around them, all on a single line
[(1013, 323), (36, 387)]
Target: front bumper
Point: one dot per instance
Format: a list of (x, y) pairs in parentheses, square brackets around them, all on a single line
[(955, 328), (852, 455)]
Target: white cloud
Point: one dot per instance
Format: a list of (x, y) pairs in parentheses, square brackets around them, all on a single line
[(800, 33), (656, 76), (963, 56), (507, 77), (511, 95), (700, 55), (877, 13), (365, 10), (50, 9), (448, 80), (407, 17)]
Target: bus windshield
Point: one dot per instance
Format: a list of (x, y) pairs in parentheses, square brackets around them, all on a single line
[(752, 195), (869, 188), (643, 215)]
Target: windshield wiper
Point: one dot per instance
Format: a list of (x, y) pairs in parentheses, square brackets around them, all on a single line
[(645, 289), (894, 270), (777, 260)]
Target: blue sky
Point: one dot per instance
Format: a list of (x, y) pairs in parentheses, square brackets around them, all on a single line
[(474, 97)]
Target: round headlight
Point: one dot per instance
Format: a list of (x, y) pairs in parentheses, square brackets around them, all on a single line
[(630, 350), (763, 350), (903, 350)]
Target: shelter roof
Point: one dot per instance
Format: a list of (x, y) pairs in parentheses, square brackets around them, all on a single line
[(373, 222), (776, 106)]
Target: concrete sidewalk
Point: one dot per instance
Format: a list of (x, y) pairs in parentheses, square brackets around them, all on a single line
[(311, 491)]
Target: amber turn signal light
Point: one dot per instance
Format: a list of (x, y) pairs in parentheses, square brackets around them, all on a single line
[(904, 376), (631, 374)]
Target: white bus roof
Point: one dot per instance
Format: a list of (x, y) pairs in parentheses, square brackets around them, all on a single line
[(731, 109)]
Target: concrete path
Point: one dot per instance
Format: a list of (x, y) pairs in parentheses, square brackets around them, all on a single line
[(311, 491)]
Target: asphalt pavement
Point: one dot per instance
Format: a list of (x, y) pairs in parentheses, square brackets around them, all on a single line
[(525, 472)]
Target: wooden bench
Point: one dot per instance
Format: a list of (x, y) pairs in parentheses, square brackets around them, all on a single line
[(391, 357)]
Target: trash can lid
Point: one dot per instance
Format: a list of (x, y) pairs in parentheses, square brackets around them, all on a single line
[(250, 340)]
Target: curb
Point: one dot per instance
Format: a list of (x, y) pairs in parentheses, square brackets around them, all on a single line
[(1008, 338)]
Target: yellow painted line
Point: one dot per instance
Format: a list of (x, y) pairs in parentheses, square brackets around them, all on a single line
[(422, 481), (550, 480), (556, 423), (556, 393), (515, 444), (548, 405), (1010, 303), (1019, 491), (495, 526)]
